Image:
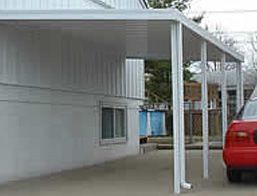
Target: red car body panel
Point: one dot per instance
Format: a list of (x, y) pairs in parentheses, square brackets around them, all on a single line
[(240, 158), (241, 152)]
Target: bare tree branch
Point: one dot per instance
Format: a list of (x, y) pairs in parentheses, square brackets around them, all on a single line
[(252, 43)]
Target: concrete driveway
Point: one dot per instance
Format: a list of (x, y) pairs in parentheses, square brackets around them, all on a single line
[(149, 175)]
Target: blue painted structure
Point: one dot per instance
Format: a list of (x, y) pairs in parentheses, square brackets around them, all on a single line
[(157, 123), (157, 126), (143, 123)]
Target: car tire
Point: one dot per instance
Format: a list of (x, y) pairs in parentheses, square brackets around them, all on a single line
[(234, 175)]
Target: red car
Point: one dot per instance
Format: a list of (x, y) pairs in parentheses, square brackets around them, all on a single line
[(240, 150)]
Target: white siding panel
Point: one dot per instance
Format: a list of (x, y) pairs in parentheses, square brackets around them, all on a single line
[(44, 131), (49, 4), (51, 86), (53, 59), (135, 78), (142, 81), (124, 4)]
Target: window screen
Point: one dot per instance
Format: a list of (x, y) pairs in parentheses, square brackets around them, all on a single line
[(119, 123), (107, 123)]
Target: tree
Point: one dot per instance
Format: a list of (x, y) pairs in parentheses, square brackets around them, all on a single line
[(226, 39), (158, 81), (254, 51), (158, 73)]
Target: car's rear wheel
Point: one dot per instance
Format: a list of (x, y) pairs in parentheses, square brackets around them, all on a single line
[(234, 175)]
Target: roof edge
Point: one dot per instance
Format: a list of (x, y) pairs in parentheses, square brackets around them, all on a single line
[(123, 14), (207, 35)]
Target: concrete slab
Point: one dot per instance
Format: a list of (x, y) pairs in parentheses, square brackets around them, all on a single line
[(149, 174), (148, 147)]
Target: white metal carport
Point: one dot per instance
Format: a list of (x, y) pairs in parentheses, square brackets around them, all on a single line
[(148, 34)]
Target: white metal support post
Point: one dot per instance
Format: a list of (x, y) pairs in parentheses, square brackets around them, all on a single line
[(175, 31), (178, 107), (205, 126), (240, 87), (224, 97)]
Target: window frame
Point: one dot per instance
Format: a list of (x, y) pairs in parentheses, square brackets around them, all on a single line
[(114, 140)]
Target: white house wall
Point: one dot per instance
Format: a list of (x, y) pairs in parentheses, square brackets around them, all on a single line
[(46, 131), (51, 87)]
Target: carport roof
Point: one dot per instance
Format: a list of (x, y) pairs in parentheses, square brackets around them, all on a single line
[(143, 33)]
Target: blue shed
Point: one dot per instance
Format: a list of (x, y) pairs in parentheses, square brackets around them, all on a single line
[(143, 123), (152, 123)]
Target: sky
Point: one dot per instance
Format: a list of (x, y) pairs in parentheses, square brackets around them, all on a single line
[(240, 26), (227, 21)]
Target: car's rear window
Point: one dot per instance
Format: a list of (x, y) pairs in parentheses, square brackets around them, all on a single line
[(249, 111)]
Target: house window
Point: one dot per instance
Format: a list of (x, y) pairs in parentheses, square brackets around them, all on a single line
[(113, 125)]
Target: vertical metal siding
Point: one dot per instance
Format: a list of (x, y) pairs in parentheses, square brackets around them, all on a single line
[(68, 4), (48, 4), (124, 4), (135, 78), (98, 72), (47, 58)]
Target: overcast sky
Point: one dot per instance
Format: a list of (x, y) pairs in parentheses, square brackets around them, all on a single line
[(227, 21), (235, 25)]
